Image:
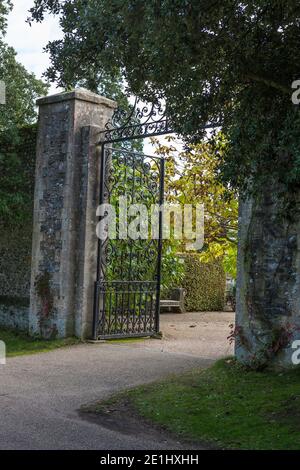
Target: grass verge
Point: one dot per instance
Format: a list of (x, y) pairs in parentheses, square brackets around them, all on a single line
[(18, 344), (225, 405)]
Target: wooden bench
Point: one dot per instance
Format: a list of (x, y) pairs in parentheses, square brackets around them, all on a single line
[(175, 303)]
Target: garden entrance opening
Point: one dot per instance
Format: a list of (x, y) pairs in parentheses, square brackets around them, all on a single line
[(127, 290)]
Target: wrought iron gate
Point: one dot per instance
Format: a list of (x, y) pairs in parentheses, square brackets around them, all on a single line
[(127, 290)]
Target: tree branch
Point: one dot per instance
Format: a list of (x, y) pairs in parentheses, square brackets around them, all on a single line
[(268, 82)]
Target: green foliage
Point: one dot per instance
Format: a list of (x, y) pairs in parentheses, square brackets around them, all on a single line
[(173, 267), (17, 136), (226, 251), (22, 90), (5, 7), (235, 62), (204, 284), (230, 261), (226, 406), (192, 178), (17, 169)]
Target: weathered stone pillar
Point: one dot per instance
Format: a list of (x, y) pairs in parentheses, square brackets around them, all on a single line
[(66, 197), (268, 282)]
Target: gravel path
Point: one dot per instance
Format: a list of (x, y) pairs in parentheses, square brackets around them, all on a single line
[(40, 394)]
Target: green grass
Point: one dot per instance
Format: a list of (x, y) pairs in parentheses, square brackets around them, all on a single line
[(226, 405), (18, 344)]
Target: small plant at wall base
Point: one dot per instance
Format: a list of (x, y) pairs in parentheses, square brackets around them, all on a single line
[(279, 339), (237, 335)]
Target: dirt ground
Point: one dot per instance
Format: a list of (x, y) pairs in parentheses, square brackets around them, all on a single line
[(201, 334)]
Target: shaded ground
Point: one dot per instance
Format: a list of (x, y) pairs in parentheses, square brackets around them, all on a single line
[(122, 415), (40, 395)]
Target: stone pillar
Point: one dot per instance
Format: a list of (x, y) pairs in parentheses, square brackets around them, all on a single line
[(64, 251), (268, 281)]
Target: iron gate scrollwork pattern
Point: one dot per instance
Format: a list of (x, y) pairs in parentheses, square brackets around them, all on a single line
[(127, 291), (143, 120)]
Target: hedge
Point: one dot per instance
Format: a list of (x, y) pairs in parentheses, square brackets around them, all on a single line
[(204, 284)]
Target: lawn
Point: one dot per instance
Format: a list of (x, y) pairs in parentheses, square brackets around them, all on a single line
[(18, 344), (225, 405)]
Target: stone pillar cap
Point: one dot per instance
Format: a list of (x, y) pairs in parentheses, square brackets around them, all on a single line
[(77, 94)]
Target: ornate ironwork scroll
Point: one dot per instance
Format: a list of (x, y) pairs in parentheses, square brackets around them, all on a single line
[(142, 120)]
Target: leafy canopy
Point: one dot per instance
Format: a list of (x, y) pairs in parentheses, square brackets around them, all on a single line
[(230, 62), (5, 7), (22, 90), (22, 87)]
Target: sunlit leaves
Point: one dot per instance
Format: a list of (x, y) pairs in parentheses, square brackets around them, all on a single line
[(192, 178)]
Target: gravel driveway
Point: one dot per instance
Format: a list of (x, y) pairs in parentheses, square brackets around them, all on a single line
[(40, 394)]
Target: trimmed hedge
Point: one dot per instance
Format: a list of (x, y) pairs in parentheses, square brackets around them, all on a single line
[(204, 284)]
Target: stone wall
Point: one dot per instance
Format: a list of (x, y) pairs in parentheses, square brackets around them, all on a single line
[(15, 261), (16, 232), (268, 283), (14, 315)]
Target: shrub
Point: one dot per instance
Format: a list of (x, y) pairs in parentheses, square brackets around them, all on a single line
[(204, 284)]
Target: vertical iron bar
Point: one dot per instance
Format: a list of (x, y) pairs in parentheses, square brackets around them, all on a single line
[(116, 295), (145, 307), (98, 299), (160, 242), (149, 321), (112, 320), (128, 305), (123, 296)]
